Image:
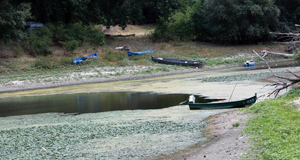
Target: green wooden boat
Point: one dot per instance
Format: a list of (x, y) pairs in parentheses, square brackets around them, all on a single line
[(221, 105)]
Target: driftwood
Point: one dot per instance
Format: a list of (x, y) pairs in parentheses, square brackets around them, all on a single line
[(123, 48), (119, 35), (290, 42), (284, 82), (265, 53)]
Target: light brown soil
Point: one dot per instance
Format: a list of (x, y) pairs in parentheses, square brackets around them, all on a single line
[(228, 142)]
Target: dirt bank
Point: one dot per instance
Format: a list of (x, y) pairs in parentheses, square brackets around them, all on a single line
[(227, 140)]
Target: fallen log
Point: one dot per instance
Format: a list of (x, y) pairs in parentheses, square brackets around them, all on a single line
[(265, 53), (119, 35), (286, 34)]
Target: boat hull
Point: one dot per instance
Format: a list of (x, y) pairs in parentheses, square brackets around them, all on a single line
[(81, 59), (178, 62), (139, 53), (224, 105), (249, 63)]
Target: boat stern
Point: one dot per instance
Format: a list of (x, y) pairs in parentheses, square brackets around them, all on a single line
[(191, 99)]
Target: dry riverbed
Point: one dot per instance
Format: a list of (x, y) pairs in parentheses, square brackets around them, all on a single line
[(170, 133)]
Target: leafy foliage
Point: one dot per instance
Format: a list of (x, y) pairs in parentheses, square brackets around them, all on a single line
[(69, 36), (107, 12), (237, 21), (177, 27), (289, 14), (12, 20), (38, 42)]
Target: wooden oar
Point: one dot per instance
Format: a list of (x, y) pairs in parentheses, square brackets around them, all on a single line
[(184, 102), (232, 92)]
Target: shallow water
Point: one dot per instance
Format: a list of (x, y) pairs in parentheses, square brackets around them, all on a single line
[(90, 102)]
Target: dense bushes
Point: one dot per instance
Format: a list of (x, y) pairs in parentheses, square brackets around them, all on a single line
[(237, 21), (289, 14), (227, 21), (177, 27), (68, 36), (12, 20)]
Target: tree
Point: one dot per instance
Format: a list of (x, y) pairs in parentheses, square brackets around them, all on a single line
[(236, 21), (13, 20), (289, 14)]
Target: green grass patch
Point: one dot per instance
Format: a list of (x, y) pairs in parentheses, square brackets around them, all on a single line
[(276, 128)]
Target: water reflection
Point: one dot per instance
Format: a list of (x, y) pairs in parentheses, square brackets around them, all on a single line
[(90, 102)]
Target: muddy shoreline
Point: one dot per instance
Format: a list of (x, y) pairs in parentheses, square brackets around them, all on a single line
[(6, 89), (33, 86)]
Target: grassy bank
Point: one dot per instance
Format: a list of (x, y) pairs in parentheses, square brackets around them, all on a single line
[(275, 130), (58, 67)]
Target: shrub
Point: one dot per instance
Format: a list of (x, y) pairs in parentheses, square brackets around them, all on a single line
[(18, 51), (70, 45), (114, 56), (297, 56), (45, 63), (74, 35), (161, 31), (97, 37), (65, 61), (236, 21), (38, 45)]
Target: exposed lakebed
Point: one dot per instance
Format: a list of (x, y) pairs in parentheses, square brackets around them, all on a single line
[(127, 134)]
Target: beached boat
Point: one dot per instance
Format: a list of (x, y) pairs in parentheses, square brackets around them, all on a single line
[(249, 63), (140, 52), (178, 62), (81, 59), (221, 105)]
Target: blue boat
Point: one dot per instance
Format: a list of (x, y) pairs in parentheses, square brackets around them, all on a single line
[(140, 52), (81, 59), (249, 63)]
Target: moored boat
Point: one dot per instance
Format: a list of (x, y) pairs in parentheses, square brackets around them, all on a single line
[(221, 105), (81, 59), (178, 62)]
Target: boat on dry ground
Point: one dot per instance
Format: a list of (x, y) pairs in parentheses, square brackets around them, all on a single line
[(182, 62), (81, 59), (221, 105)]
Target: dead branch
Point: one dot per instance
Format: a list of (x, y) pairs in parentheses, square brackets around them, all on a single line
[(289, 42), (265, 53), (123, 48), (281, 85), (286, 34)]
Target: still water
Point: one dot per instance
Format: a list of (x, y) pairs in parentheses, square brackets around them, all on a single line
[(91, 102)]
